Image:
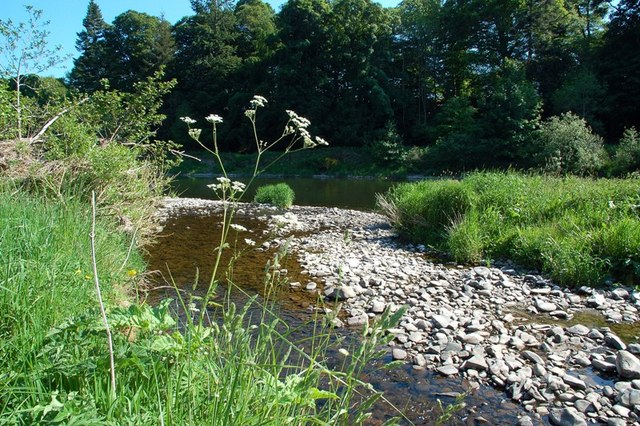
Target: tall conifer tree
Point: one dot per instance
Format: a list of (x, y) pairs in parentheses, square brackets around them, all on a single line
[(89, 67)]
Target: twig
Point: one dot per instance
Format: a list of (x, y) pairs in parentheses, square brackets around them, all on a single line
[(97, 282)]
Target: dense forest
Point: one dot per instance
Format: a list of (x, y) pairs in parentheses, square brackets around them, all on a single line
[(465, 83)]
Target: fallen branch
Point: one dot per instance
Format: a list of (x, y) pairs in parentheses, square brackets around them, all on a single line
[(55, 118)]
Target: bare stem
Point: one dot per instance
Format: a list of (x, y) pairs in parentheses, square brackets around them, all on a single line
[(99, 294)]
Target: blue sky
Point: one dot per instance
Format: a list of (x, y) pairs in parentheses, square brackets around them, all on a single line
[(66, 16)]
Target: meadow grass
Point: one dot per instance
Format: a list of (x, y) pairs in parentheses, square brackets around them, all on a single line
[(579, 231)]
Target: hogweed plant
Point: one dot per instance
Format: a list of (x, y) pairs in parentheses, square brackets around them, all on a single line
[(267, 367), (295, 137)]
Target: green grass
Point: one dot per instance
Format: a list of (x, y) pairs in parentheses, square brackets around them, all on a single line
[(280, 195), (579, 231), (54, 352)]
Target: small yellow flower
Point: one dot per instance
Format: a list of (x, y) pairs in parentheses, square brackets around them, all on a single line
[(78, 271), (87, 277), (132, 273)]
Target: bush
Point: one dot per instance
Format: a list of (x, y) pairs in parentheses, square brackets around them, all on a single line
[(565, 144), (280, 195), (627, 154), (388, 148)]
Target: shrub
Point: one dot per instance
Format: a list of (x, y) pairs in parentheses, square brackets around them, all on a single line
[(627, 153), (565, 144), (388, 148), (280, 195)]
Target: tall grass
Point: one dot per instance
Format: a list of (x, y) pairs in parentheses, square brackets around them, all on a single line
[(579, 231)]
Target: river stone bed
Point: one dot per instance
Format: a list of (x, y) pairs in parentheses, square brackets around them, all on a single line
[(459, 320)]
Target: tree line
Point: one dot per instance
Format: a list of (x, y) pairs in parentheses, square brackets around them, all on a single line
[(471, 81)]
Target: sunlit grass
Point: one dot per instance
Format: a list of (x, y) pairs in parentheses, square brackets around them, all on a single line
[(579, 231)]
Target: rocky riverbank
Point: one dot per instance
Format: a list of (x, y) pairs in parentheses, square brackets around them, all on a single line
[(491, 325)]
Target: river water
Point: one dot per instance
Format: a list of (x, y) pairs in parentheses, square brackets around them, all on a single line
[(184, 252), (357, 194)]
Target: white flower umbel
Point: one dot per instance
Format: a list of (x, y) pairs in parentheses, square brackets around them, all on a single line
[(188, 120), (249, 242), (258, 101), (238, 228), (213, 118)]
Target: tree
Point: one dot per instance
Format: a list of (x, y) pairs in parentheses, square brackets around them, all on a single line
[(582, 94), (620, 66), (25, 50), (138, 45), (91, 66), (256, 27)]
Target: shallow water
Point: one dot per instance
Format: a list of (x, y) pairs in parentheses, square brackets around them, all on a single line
[(185, 250)]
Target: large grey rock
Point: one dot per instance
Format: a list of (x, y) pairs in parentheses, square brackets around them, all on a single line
[(601, 365), (628, 365), (358, 320), (447, 370), (634, 348), (567, 417), (574, 382), (597, 301), (342, 292), (476, 362), (440, 321), (544, 306), (614, 341), (377, 307), (578, 329), (399, 354), (533, 357), (629, 397)]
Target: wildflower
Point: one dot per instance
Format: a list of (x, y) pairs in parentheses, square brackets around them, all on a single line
[(132, 273), (238, 186), (215, 186), (238, 228), (321, 141), (249, 242), (250, 113), (223, 180), (195, 133), (343, 352), (78, 271), (213, 118), (612, 205), (192, 307), (188, 120), (258, 101)]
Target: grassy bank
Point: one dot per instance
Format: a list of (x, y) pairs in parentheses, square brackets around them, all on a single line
[(331, 161), (579, 231)]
